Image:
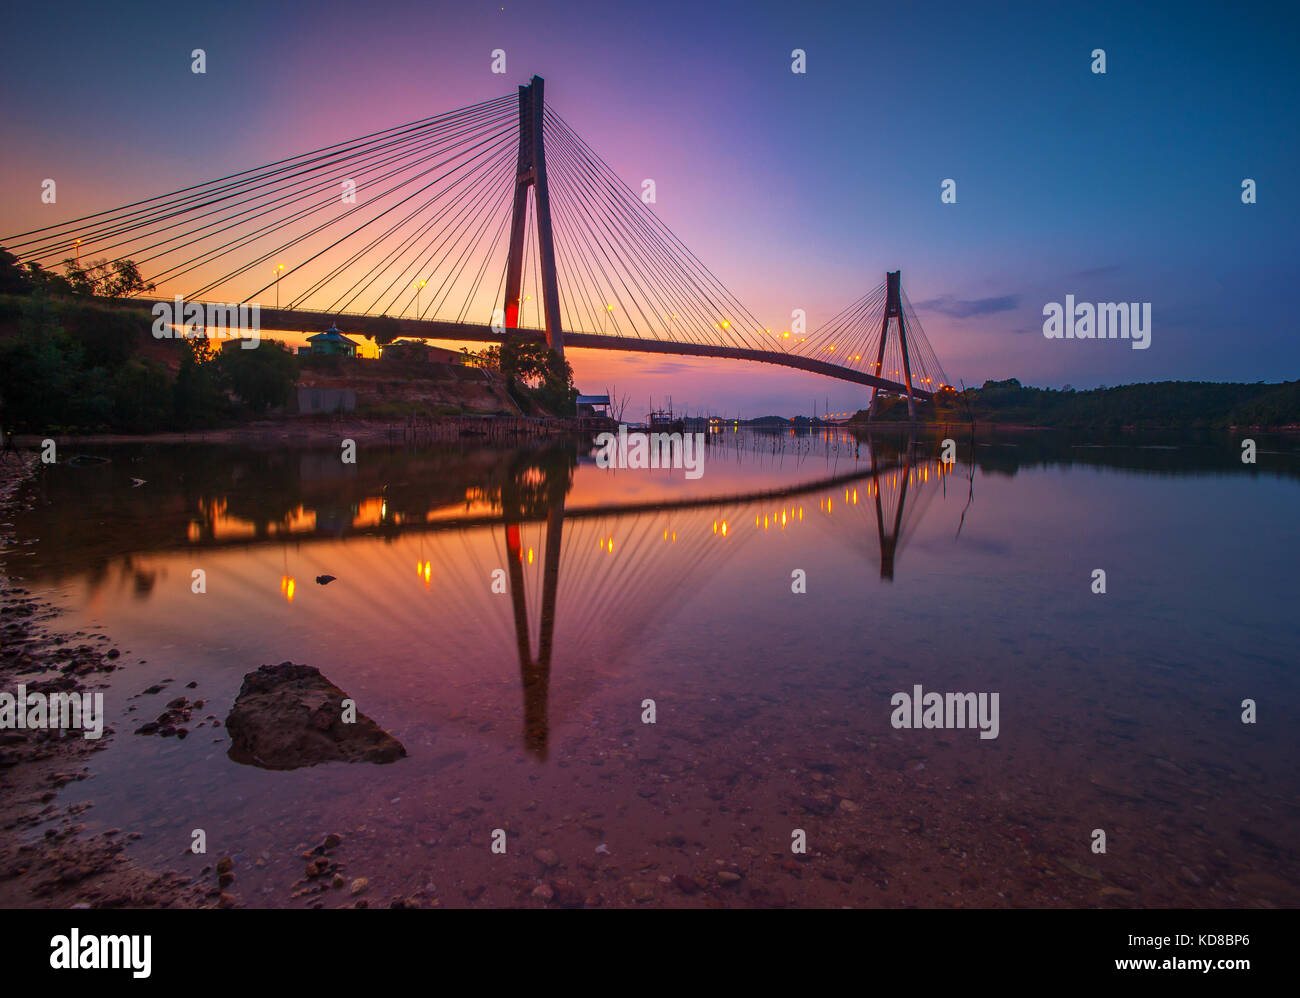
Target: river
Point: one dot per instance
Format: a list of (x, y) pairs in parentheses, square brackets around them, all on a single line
[(515, 618)]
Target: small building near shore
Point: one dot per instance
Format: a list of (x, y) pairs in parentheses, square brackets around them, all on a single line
[(588, 404), (418, 351), (331, 343)]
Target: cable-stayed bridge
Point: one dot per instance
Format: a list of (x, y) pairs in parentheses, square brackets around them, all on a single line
[(490, 221)]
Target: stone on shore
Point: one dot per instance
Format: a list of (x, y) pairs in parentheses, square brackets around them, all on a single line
[(288, 716)]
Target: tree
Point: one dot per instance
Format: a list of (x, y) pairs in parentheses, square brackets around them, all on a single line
[(25, 278), (119, 279), (196, 394), (617, 403), (107, 336), (547, 376), (262, 377), (14, 280), (382, 330)]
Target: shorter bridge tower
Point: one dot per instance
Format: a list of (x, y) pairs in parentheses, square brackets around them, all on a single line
[(894, 310)]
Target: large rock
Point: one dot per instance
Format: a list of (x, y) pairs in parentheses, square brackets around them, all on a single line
[(288, 715)]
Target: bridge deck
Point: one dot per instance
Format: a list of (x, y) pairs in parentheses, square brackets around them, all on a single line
[(288, 319)]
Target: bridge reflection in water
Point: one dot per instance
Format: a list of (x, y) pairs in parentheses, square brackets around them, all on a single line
[(580, 568), (666, 558)]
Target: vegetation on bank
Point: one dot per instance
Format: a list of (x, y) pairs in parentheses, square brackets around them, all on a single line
[(73, 361), (75, 366), (1155, 405), (538, 376), (76, 362)]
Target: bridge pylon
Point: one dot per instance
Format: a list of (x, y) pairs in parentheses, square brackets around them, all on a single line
[(894, 310), (530, 171)]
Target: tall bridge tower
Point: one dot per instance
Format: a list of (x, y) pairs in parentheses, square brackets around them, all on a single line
[(530, 171)]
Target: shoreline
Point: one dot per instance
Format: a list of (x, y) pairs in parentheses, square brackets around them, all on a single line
[(507, 430), (334, 428), (65, 867)]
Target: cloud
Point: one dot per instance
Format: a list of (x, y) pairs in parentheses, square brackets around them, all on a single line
[(962, 309)]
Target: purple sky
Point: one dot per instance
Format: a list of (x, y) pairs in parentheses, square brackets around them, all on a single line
[(798, 191)]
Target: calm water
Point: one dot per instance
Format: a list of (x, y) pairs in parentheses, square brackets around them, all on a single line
[(522, 711)]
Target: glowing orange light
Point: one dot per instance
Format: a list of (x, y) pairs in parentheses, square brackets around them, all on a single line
[(287, 587)]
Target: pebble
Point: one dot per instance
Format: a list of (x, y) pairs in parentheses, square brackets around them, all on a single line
[(359, 886)]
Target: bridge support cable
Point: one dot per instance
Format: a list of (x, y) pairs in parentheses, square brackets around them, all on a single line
[(625, 262), (62, 237), (358, 185), (881, 335), (406, 230)]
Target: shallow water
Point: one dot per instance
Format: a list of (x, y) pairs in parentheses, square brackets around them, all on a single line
[(1119, 712)]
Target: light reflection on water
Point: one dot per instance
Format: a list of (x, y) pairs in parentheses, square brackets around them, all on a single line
[(522, 709)]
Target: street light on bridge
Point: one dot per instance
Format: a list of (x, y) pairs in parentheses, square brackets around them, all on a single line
[(278, 268)]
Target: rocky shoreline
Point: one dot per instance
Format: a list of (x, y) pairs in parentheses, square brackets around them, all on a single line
[(63, 866), (48, 856)]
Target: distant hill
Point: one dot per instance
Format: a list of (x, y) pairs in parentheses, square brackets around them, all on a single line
[(1153, 405)]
